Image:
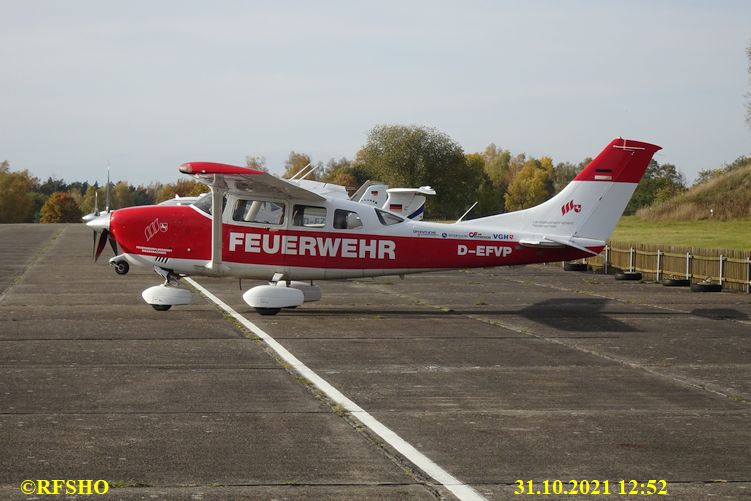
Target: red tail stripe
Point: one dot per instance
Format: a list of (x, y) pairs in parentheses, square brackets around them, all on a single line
[(626, 158)]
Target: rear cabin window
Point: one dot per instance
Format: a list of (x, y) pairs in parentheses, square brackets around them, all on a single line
[(309, 216), (387, 219), (258, 211), (346, 220)]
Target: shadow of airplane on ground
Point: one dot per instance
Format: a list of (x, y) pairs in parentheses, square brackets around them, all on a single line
[(720, 314), (566, 314)]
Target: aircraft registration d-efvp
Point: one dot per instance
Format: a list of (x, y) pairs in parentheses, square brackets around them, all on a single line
[(254, 225)]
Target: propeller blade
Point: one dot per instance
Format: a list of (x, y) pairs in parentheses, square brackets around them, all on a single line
[(101, 244), (113, 244), (93, 248)]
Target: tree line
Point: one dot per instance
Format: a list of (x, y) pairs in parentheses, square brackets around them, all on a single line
[(397, 155), (26, 199)]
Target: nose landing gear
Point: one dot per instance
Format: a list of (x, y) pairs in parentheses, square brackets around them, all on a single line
[(120, 265)]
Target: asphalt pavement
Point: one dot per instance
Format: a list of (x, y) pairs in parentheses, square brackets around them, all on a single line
[(496, 375)]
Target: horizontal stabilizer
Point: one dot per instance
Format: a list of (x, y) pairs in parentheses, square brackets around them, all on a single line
[(582, 244)]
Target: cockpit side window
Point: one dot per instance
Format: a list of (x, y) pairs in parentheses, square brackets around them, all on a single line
[(346, 220), (258, 211), (309, 216), (387, 218)]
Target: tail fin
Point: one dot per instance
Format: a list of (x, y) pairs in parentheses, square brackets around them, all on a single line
[(409, 202), (591, 205)]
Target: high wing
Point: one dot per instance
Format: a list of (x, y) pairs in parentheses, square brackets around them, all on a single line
[(247, 181)]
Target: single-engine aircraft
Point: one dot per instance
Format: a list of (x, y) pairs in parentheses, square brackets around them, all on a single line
[(255, 225)]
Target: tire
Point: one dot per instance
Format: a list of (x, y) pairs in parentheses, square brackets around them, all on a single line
[(121, 267), (676, 282), (706, 287), (161, 307), (268, 311), (575, 266), (628, 275)]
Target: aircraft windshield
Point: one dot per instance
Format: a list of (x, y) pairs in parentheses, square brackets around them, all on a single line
[(204, 203)]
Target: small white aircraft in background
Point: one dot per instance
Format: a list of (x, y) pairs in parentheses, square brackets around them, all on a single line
[(254, 225)]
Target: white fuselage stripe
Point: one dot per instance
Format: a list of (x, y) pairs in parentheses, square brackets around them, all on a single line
[(458, 488)]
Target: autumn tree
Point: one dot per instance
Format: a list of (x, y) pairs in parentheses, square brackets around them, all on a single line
[(90, 197), (486, 196), (344, 173), (123, 195), (52, 185), (256, 163), (530, 186), (412, 156), (182, 188), (17, 195), (60, 207), (295, 163), (146, 195)]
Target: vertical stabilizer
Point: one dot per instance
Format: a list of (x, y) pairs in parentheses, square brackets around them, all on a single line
[(590, 206)]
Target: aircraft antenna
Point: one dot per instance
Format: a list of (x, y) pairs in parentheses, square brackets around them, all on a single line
[(299, 172), (312, 170), (468, 210), (107, 193)]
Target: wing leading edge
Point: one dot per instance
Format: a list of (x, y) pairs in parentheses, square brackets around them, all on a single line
[(246, 181)]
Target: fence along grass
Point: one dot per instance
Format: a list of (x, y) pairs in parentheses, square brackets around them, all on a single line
[(731, 267)]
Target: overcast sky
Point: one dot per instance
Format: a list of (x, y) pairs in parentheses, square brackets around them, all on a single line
[(148, 85)]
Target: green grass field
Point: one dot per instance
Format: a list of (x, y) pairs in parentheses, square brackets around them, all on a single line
[(734, 234)]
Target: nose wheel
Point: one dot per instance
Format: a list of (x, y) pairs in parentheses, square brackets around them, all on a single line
[(121, 267), (161, 307)]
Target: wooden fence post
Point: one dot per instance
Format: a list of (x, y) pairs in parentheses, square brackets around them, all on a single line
[(631, 259), (607, 257), (659, 269)]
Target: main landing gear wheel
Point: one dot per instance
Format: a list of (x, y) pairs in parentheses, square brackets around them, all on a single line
[(161, 307), (121, 267), (628, 275), (268, 311)]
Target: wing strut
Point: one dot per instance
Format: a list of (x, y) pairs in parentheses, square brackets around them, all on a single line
[(218, 190)]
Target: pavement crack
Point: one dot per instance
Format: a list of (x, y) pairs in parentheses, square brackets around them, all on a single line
[(40, 253)]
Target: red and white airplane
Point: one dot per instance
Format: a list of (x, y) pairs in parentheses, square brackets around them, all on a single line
[(254, 225)]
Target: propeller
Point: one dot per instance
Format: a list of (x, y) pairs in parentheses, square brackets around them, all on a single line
[(99, 246), (101, 225)]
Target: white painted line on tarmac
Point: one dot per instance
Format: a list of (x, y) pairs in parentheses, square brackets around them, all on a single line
[(458, 488)]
